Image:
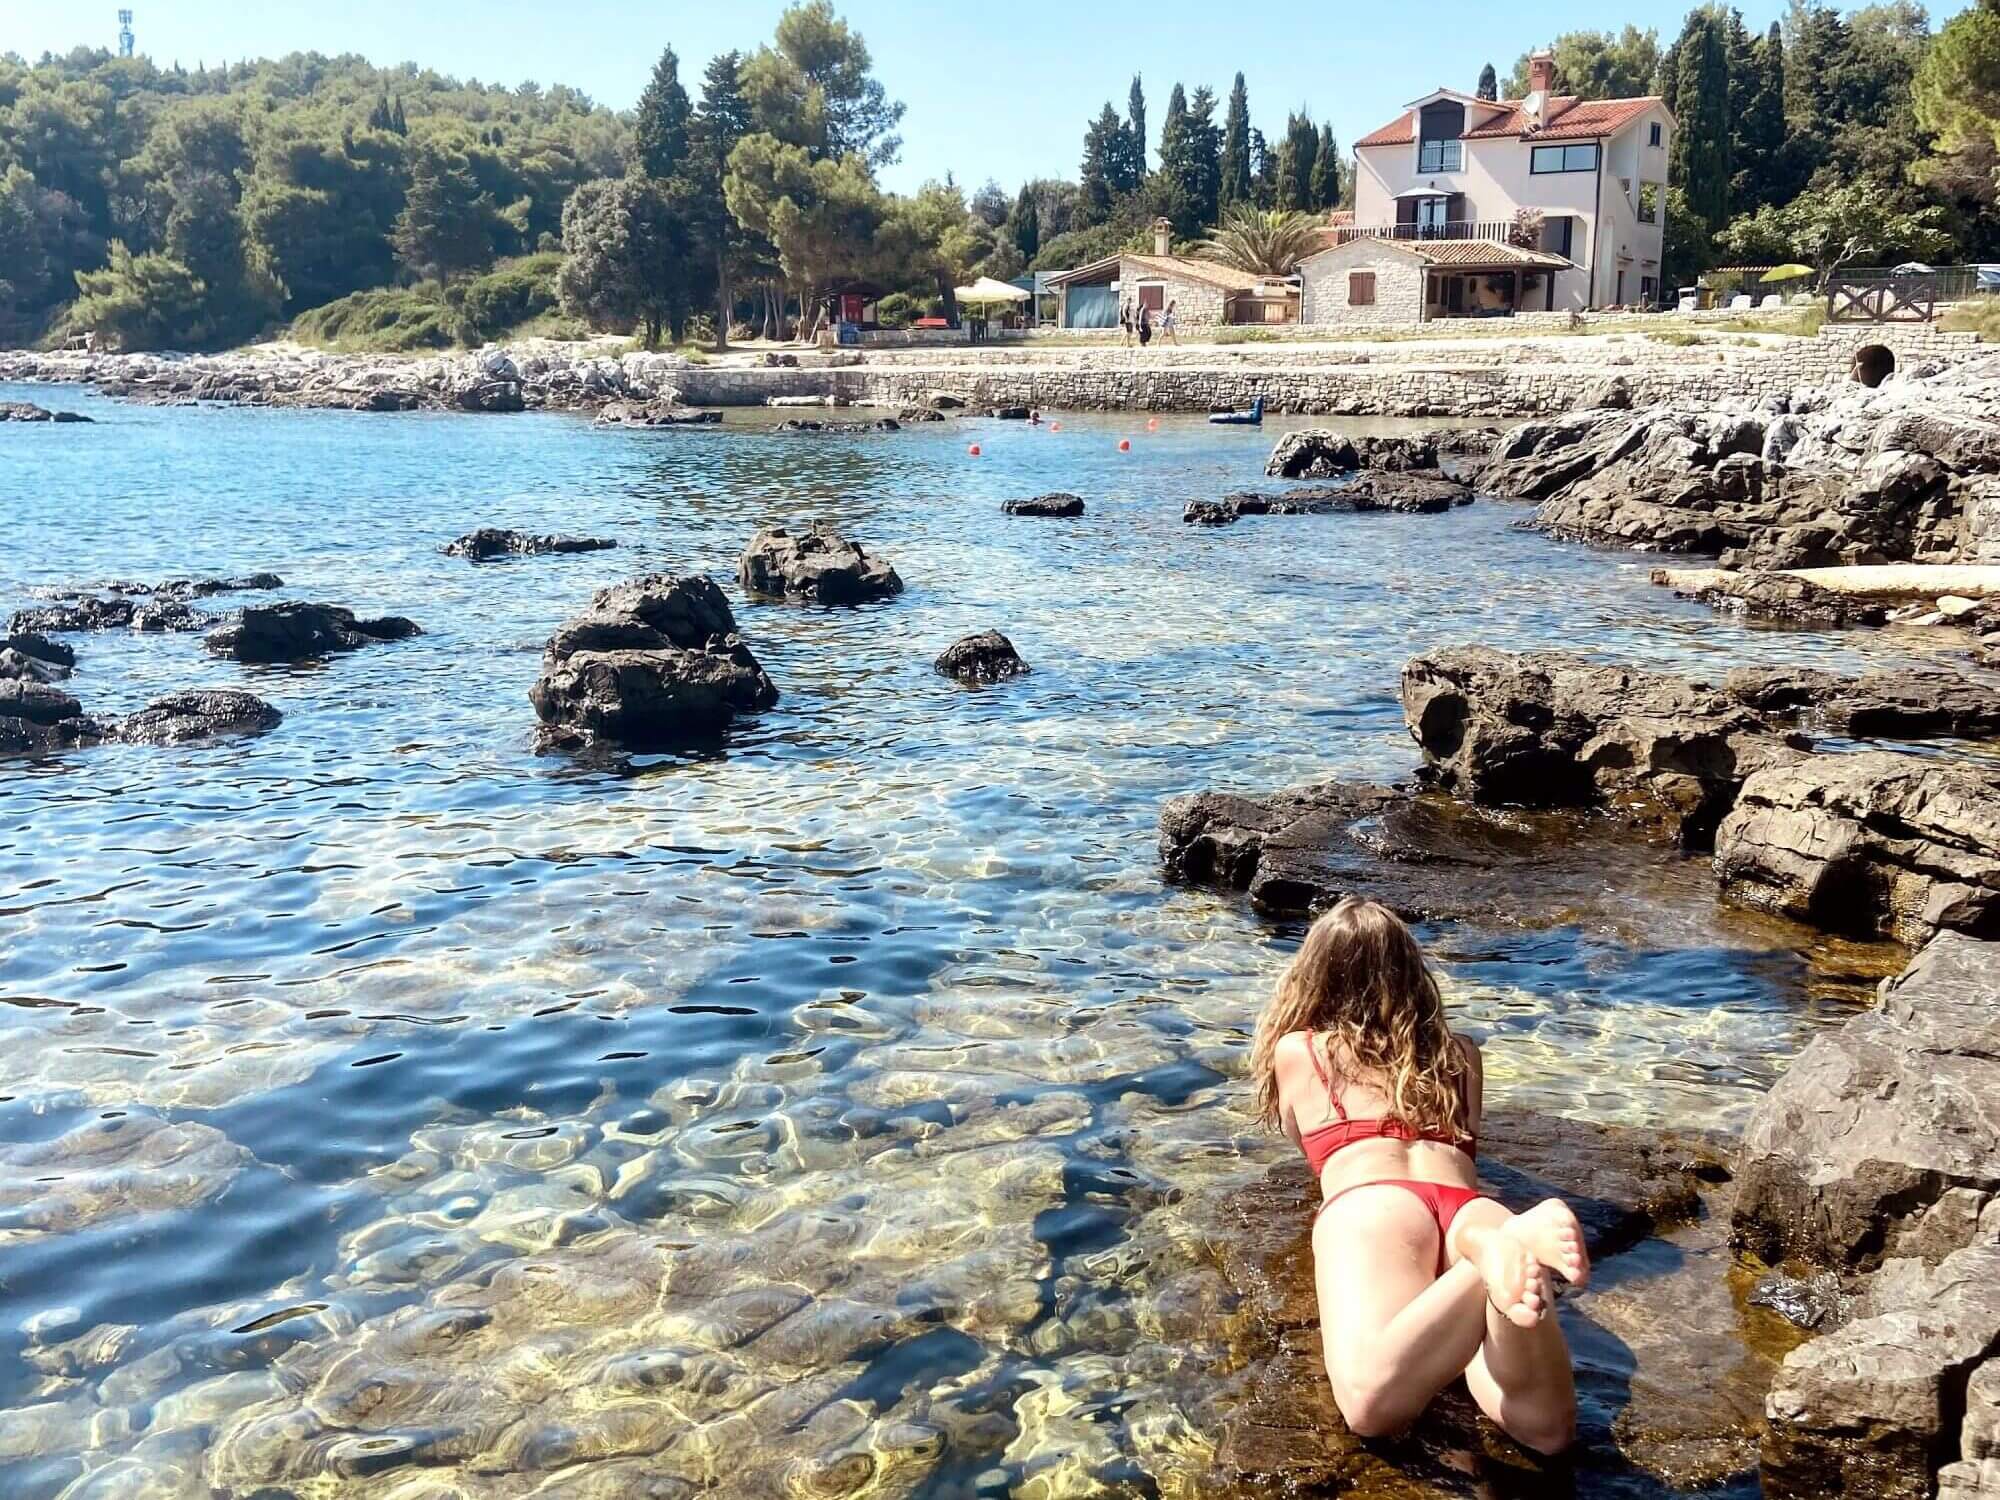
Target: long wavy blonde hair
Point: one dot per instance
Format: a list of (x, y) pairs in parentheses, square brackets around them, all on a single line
[(1361, 982)]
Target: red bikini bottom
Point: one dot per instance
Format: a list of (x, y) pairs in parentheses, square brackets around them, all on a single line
[(1440, 1199)]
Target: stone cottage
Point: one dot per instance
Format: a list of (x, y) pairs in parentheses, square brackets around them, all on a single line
[(1204, 293), (1372, 282)]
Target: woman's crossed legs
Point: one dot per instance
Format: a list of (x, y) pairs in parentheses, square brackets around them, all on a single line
[(1396, 1332)]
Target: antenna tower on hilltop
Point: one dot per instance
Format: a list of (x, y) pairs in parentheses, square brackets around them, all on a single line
[(124, 33)]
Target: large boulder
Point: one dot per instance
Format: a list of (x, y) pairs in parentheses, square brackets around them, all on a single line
[(87, 613), (27, 411), (1868, 843), (495, 541), (1547, 729), (1312, 453), (196, 714), (300, 631), (986, 657), (668, 413), (37, 716), (26, 656), (653, 663), (1883, 1136), (1054, 504), (818, 566), (1871, 1408), (1402, 492)]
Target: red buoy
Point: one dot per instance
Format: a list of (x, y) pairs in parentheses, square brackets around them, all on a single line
[(1124, 445), (973, 450)]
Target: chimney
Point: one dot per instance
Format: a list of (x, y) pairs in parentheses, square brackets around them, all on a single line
[(1541, 72), (1163, 236)]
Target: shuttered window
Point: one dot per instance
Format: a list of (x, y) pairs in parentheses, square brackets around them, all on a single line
[(1360, 288)]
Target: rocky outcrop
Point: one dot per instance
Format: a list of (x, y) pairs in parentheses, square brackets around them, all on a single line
[(300, 631), (1413, 492), (494, 541), (157, 616), (151, 607), (86, 613), (1887, 1130), (1777, 596), (986, 657), (1055, 503), (814, 424), (653, 663), (655, 414), (38, 716), (1874, 843), (1404, 493), (1318, 453), (26, 656), (198, 714), (1906, 472), (27, 411), (1871, 1408), (818, 566)]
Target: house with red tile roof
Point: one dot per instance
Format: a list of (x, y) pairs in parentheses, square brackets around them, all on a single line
[(1469, 207)]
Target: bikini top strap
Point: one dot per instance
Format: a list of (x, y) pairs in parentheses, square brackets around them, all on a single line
[(1319, 1067)]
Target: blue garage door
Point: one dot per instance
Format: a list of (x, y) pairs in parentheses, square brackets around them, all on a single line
[(1091, 307)]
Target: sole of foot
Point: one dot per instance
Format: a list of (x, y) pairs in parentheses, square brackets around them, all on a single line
[(1550, 1233)]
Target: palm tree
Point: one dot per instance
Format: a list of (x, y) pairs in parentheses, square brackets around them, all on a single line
[(1268, 242)]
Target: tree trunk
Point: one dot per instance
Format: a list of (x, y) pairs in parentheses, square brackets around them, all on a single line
[(948, 295), (652, 330), (724, 303)]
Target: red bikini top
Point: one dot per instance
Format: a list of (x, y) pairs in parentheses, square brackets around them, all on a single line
[(1340, 1132)]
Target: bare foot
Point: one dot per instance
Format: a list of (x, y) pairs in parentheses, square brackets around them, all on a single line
[(1551, 1234), (1507, 1265)]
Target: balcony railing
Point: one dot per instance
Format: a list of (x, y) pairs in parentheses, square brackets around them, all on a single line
[(1498, 231)]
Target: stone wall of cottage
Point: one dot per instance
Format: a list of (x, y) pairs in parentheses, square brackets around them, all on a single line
[(1325, 284), (1408, 381), (1196, 303)]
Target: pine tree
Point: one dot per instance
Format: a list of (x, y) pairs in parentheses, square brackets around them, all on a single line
[(722, 121), (1326, 171), (1701, 148), (1263, 170), (379, 117), (1489, 83), (1236, 184), (660, 129), (1104, 144), (396, 121), (1135, 119), (1295, 163)]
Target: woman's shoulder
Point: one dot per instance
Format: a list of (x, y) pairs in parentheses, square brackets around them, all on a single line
[(1469, 1050)]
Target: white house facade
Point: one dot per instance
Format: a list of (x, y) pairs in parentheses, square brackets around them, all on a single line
[(1574, 188)]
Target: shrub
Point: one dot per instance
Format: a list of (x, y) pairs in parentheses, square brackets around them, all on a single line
[(510, 294), (385, 320)]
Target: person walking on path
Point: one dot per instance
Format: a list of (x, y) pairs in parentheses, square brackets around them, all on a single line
[(1145, 325), (1167, 334)]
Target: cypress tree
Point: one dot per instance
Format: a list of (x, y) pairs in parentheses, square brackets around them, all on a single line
[(660, 130), (1135, 117), (1701, 156), (1326, 171), (1759, 141), (1236, 173), (1104, 144), (1295, 163), (1489, 83), (396, 121), (1027, 217)]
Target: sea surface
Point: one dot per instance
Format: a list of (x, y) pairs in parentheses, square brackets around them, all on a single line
[(386, 1104)]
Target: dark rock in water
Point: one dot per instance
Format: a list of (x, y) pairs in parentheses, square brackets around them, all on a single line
[(1412, 493), (204, 588), (27, 411), (493, 541), (1056, 503), (911, 414), (1550, 730), (161, 615), (300, 631), (653, 663), (37, 716), (78, 614), (197, 714), (814, 424), (40, 648), (1802, 1301), (1405, 493), (655, 414), (819, 566), (1778, 596), (1909, 703), (945, 401), (1869, 843), (1312, 453), (492, 396), (1211, 513), (1011, 413), (1872, 1408), (986, 657), (1883, 1137), (1424, 451), (27, 657)]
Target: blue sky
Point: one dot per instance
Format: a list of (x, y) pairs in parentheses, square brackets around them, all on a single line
[(985, 100)]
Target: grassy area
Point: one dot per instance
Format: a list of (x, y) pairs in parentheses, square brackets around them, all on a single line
[(1981, 316), (514, 300)]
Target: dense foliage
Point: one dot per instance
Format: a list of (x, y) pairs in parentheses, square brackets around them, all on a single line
[(398, 207)]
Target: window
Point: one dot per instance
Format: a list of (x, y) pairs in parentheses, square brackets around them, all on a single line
[(1432, 214), (1649, 203), (1558, 234), (1564, 158), (1152, 295), (1440, 156), (1654, 139), (1360, 288), (1649, 289)]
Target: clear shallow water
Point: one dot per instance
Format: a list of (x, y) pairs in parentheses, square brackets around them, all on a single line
[(386, 1102)]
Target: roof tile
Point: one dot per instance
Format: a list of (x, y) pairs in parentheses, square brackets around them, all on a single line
[(1570, 118)]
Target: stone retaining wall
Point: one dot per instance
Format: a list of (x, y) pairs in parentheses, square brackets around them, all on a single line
[(1508, 381)]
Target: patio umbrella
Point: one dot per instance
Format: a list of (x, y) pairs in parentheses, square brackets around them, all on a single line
[(986, 289), (1790, 272)]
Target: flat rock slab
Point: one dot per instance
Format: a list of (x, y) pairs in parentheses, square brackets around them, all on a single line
[(198, 714), (27, 411), (654, 414), (819, 566), (983, 658), (494, 541), (1404, 493), (302, 631), (1054, 504)]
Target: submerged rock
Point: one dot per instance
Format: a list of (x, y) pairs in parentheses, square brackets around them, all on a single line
[(300, 631), (494, 541), (1056, 503), (986, 657), (78, 614), (1868, 843), (1802, 1301), (197, 714), (161, 615), (654, 662), (819, 566), (1777, 596), (27, 411)]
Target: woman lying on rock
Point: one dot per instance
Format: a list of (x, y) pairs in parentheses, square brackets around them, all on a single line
[(1420, 1278)]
